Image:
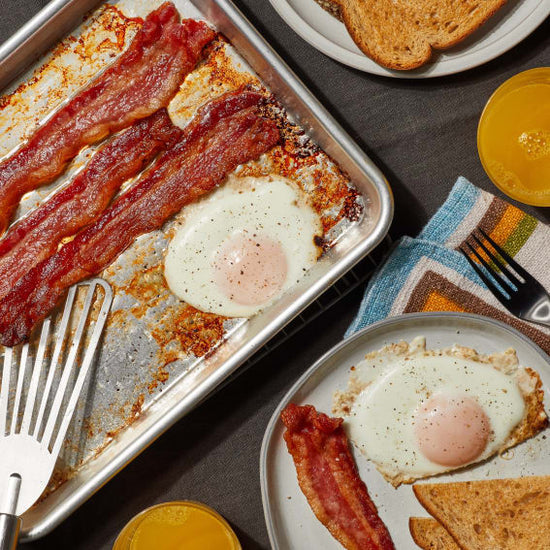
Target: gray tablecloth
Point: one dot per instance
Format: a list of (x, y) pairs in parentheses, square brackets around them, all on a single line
[(422, 134)]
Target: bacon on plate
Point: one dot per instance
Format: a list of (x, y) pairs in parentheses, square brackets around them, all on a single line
[(329, 479), (226, 132), (142, 80), (38, 235)]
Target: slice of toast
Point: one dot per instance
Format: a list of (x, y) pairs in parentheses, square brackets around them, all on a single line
[(508, 514), (429, 534), (402, 34)]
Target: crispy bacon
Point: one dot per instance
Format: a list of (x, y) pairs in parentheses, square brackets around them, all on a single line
[(329, 479), (225, 133), (37, 235), (143, 79)]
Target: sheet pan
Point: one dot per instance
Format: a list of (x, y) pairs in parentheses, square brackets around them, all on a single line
[(94, 464)]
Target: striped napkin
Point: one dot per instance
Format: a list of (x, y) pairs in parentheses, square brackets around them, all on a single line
[(430, 274)]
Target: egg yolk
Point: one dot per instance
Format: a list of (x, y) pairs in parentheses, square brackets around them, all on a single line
[(451, 431), (250, 270)]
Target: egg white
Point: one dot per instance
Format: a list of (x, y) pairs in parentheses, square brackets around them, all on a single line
[(270, 206), (381, 418)]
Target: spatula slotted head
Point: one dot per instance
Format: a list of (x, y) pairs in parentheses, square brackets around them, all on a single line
[(36, 405)]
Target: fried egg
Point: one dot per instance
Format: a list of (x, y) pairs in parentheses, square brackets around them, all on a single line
[(243, 246), (417, 412)]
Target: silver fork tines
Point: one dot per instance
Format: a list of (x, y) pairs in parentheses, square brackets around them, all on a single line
[(35, 421), (514, 287)]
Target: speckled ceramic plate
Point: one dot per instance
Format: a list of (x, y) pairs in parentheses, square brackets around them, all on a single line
[(503, 31), (290, 521)]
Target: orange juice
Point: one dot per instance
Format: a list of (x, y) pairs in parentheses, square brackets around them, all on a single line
[(177, 526), (513, 137)]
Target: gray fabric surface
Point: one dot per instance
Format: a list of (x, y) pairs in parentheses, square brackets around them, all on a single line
[(14, 14), (423, 135)]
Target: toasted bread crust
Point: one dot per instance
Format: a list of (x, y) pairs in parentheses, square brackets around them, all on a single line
[(429, 534), (332, 7), (403, 34), (508, 514)]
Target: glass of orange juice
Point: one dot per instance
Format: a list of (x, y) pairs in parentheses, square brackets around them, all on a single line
[(513, 137), (177, 525)]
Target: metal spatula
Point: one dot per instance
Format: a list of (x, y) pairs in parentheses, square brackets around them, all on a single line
[(31, 436)]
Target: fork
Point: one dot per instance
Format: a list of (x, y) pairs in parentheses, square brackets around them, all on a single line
[(520, 293), (30, 442)]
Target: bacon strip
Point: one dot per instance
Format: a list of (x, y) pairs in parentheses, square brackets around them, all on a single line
[(37, 235), (141, 81), (226, 132), (329, 479)]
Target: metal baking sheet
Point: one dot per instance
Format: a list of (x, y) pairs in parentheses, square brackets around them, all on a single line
[(289, 519), (145, 378)]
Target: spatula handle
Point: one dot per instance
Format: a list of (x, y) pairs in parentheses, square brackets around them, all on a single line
[(9, 531)]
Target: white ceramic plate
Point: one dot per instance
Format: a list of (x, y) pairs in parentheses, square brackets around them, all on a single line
[(291, 523), (503, 31)]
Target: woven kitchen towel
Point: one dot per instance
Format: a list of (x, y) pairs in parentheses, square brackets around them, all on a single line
[(430, 274)]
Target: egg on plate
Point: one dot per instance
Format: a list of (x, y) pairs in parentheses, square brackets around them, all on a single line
[(243, 246), (416, 412)]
